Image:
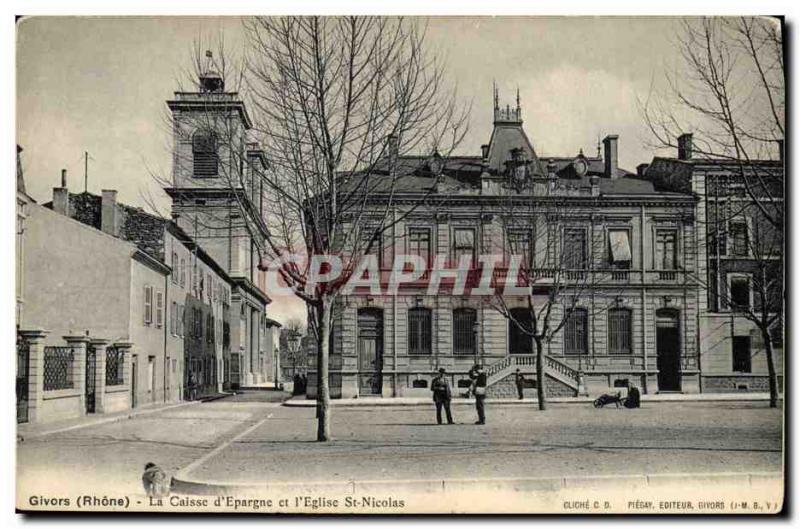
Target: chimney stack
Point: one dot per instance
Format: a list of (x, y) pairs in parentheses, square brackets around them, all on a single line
[(108, 213), (594, 180), (641, 169), (610, 156), (685, 146), (61, 196)]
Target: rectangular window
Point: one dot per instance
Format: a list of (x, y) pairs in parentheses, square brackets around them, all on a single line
[(575, 253), (739, 239), (619, 246), (619, 331), (173, 319), (519, 243), (714, 239), (666, 250), (419, 243), (419, 331), (463, 244), (369, 235), (740, 293), (741, 354), (183, 272), (575, 335), (464, 322), (151, 373), (181, 321), (175, 270), (159, 309), (148, 305)]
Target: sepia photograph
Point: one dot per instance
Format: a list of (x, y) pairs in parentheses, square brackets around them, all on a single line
[(371, 264)]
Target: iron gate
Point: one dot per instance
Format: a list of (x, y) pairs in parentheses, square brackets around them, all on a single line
[(91, 365), (23, 363)]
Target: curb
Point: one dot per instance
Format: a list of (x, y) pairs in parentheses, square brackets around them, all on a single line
[(103, 420), (183, 484), (400, 402)]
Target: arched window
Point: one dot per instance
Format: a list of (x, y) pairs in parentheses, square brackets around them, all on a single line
[(619, 331), (204, 154), (419, 331), (575, 332)]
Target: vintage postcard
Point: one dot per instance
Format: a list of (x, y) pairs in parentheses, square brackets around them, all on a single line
[(377, 265)]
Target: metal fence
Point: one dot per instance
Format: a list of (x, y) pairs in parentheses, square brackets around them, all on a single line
[(57, 363), (23, 364), (115, 361)]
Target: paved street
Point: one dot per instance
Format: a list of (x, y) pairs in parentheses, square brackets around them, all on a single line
[(403, 443)]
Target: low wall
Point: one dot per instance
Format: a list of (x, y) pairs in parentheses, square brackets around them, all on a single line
[(60, 404)]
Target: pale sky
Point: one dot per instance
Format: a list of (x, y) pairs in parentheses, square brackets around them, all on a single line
[(99, 85)]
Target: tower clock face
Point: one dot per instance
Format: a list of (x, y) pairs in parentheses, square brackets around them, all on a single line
[(581, 167)]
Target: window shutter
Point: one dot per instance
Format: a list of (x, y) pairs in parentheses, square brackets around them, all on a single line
[(148, 305), (159, 309)]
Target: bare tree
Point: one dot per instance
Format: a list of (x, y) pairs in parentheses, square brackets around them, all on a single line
[(334, 99), (731, 94), (551, 247)]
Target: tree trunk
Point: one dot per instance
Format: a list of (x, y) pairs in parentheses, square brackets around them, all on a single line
[(323, 388), (773, 376), (540, 377)]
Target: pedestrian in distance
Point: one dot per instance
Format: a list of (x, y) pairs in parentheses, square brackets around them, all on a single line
[(634, 398), (479, 390), (442, 395), (519, 380), (192, 386)]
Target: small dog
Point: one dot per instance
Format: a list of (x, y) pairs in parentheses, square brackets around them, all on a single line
[(155, 481)]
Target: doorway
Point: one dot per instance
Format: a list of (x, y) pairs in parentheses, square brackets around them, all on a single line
[(668, 350), (370, 351), (520, 325)]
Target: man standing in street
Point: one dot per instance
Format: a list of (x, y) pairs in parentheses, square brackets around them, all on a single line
[(442, 395), (479, 390), (519, 380)]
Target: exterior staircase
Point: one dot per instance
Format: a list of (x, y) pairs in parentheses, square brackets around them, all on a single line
[(527, 364)]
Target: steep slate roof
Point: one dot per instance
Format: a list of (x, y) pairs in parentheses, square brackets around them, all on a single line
[(508, 136)]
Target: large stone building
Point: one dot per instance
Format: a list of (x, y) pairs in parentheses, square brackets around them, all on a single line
[(740, 246), (626, 247)]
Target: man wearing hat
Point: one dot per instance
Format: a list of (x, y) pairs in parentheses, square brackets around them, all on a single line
[(442, 394)]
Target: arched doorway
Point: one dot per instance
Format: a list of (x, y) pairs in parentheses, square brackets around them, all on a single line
[(519, 340), (668, 349), (370, 351)]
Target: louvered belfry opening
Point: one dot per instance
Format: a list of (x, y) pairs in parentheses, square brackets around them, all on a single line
[(204, 154)]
